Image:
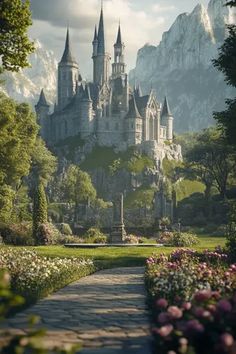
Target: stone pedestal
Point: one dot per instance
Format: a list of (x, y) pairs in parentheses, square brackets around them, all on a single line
[(118, 229)]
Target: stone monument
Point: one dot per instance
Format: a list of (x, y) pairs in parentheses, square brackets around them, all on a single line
[(118, 229)]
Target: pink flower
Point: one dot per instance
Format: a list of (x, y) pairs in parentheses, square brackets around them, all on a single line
[(165, 331), (211, 308), (227, 340), (224, 305), (195, 326), (202, 295), (186, 306), (162, 303), (175, 312), (163, 318)]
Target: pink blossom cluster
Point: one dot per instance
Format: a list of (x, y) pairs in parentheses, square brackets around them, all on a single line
[(207, 324)]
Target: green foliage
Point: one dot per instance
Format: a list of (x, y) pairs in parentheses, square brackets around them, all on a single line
[(211, 160), (231, 234), (77, 185), (94, 235), (172, 169), (39, 209), (43, 165), (108, 159), (17, 234), (18, 131), (46, 234), (142, 197), (178, 239), (6, 202), (187, 141), (185, 188), (64, 229), (226, 63), (15, 19)]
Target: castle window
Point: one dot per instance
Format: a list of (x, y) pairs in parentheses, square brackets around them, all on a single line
[(132, 126)]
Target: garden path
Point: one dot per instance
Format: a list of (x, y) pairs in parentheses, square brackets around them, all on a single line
[(105, 310)]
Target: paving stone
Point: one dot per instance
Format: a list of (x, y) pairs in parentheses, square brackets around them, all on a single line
[(106, 310)]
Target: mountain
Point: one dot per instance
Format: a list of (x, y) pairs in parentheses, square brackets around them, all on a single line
[(181, 66), (25, 85)]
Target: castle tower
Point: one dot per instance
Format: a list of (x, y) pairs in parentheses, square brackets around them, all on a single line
[(101, 59), (118, 67), (168, 119), (42, 112), (86, 112), (68, 75), (133, 124)]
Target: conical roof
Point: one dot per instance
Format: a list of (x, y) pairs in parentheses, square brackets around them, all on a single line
[(133, 110), (166, 109), (42, 99), (67, 56), (119, 40), (101, 35), (95, 34)]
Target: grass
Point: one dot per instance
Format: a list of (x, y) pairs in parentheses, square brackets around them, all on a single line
[(122, 257)]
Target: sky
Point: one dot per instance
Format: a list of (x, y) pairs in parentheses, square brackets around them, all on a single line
[(142, 21)]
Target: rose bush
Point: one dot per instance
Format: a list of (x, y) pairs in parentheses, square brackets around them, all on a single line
[(193, 298)]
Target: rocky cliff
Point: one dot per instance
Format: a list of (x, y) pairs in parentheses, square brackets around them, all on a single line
[(181, 65), (25, 86)]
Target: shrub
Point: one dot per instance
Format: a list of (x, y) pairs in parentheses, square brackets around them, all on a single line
[(63, 239), (36, 276), (46, 234), (231, 241), (131, 239), (17, 234), (178, 239), (64, 229)]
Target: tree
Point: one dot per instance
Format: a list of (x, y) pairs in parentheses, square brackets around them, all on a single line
[(78, 187), (211, 160), (18, 131), (43, 165), (40, 215), (226, 63), (15, 19)]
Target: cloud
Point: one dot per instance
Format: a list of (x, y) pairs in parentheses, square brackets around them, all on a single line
[(159, 8), (51, 18)]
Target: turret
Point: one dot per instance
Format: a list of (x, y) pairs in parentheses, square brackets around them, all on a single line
[(133, 124), (101, 59), (68, 75), (118, 67), (42, 112), (167, 119)]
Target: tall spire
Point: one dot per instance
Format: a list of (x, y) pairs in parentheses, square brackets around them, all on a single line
[(67, 55), (166, 109), (95, 34), (101, 35), (119, 40)]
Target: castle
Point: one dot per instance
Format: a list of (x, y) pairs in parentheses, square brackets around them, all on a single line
[(107, 108)]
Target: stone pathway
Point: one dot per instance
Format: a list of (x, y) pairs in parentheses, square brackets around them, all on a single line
[(105, 310)]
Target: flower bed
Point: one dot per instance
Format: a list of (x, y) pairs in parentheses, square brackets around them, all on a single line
[(35, 277), (193, 299)]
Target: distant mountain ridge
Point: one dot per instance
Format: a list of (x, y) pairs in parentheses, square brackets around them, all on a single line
[(25, 86), (181, 65)]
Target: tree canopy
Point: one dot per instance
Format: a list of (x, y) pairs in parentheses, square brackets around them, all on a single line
[(226, 63), (15, 19)]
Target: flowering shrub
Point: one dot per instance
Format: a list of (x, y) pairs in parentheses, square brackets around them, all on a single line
[(17, 234), (46, 234), (178, 239), (205, 325), (37, 276), (131, 239), (194, 302), (185, 271)]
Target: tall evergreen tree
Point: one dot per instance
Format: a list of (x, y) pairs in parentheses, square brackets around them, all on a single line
[(226, 63), (40, 215)]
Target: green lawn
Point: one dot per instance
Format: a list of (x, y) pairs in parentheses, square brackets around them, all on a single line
[(118, 257)]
